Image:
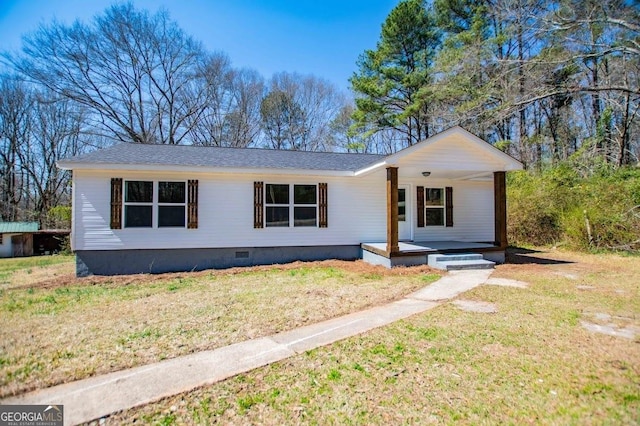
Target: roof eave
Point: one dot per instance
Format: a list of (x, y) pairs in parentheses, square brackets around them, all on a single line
[(65, 165), (371, 168)]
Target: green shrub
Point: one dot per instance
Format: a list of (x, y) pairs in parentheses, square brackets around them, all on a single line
[(558, 205), (533, 216), (59, 217)]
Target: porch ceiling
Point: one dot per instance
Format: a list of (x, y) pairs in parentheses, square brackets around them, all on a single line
[(413, 172)]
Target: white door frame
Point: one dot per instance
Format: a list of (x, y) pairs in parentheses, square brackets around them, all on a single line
[(405, 228)]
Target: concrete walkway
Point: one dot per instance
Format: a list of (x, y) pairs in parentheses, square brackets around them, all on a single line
[(99, 396)]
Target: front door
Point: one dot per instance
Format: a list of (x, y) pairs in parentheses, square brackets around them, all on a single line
[(404, 216)]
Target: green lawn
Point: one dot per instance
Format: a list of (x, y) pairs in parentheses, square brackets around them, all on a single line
[(57, 328), (532, 362)]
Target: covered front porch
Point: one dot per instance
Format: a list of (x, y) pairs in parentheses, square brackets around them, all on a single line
[(397, 252), (445, 195)]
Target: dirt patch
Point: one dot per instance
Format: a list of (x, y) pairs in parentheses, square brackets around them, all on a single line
[(357, 267), (548, 262), (37, 275)]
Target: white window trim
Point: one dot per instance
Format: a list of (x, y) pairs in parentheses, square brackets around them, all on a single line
[(315, 205), (158, 204), (442, 207), (267, 204), (126, 203), (405, 204), (292, 205), (155, 204)]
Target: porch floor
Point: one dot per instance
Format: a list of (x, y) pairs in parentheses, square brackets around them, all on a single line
[(429, 246), (417, 252)]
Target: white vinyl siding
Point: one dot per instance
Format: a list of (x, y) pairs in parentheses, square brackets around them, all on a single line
[(473, 215), (452, 156), (356, 212)]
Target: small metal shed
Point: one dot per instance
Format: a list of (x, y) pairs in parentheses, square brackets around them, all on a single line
[(16, 238)]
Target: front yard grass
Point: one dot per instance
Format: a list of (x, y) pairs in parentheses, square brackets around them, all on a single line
[(532, 362), (56, 328), (31, 270)]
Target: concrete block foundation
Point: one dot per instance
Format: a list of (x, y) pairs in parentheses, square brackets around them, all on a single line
[(124, 262)]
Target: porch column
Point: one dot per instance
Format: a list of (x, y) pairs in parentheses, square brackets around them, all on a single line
[(392, 210), (500, 208)]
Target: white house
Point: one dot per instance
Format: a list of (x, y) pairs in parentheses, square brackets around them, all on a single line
[(157, 208)]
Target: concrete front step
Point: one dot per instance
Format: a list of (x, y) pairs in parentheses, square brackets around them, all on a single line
[(439, 257), (456, 262)]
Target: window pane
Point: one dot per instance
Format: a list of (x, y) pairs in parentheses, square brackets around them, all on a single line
[(434, 197), (277, 216), (137, 216), (402, 205), (277, 194), (304, 194), (139, 191), (171, 216), (434, 217), (171, 192), (304, 216)]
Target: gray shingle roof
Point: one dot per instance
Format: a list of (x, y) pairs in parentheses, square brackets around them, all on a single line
[(199, 156), (18, 227)]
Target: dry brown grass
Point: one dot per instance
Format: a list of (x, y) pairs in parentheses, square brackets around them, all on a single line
[(62, 329), (40, 276), (532, 362), (29, 271)]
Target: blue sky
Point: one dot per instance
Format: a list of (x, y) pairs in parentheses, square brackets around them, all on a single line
[(320, 37)]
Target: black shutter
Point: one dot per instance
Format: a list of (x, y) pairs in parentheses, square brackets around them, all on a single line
[(449, 205), (323, 208), (192, 204), (420, 206), (116, 203), (258, 204)]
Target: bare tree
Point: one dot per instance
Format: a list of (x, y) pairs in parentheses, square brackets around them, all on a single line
[(282, 120), (544, 78), (16, 101), (216, 74), (55, 134), (231, 116), (243, 120), (134, 71), (298, 111), (600, 41)]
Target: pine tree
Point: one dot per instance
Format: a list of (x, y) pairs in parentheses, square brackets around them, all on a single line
[(389, 84)]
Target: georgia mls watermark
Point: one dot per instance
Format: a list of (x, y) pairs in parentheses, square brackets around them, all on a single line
[(31, 415)]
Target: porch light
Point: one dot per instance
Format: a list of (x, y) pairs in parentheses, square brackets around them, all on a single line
[(426, 174)]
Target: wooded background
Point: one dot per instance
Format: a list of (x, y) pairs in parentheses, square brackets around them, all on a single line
[(555, 84)]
